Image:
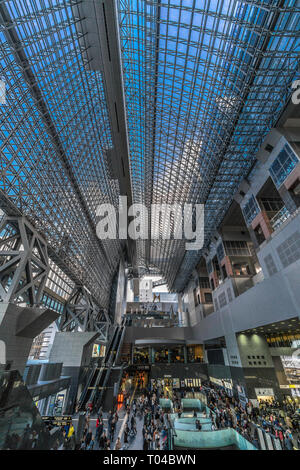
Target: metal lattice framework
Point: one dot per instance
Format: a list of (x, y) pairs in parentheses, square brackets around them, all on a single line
[(82, 314), (55, 134), (24, 264), (205, 80)]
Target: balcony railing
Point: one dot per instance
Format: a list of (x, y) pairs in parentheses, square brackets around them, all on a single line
[(279, 218)]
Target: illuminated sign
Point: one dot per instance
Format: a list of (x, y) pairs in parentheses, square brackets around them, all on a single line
[(98, 350)]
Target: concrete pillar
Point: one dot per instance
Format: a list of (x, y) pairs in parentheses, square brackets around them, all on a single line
[(185, 354), (263, 220), (74, 350), (152, 355)]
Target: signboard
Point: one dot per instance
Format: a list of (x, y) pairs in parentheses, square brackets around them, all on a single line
[(98, 350), (176, 383), (57, 420), (191, 383), (290, 386), (260, 392)]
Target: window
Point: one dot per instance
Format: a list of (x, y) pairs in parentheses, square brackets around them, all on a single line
[(222, 300), (269, 148), (209, 266), (208, 298), (237, 248), (289, 250), (283, 164), (270, 265), (224, 272), (204, 282), (220, 252), (250, 210), (229, 294), (271, 204)]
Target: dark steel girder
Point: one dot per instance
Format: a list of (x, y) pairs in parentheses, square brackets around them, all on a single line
[(99, 18)]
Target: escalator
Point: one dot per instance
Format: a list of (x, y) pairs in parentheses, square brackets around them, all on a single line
[(99, 374), (111, 365)]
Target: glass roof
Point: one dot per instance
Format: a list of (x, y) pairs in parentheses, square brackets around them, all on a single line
[(205, 80), (55, 133)]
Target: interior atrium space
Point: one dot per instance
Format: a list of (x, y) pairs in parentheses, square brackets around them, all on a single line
[(149, 227)]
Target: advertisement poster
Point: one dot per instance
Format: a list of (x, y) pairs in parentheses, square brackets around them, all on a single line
[(98, 350), (176, 383)]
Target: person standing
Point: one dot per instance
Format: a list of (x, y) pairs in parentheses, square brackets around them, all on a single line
[(91, 444), (88, 438), (118, 444)]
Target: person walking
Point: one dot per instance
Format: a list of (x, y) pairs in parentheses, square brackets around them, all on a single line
[(118, 445), (88, 438)]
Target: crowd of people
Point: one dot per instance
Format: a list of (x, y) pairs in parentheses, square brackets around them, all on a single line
[(224, 411), (144, 409), (103, 437), (227, 411)]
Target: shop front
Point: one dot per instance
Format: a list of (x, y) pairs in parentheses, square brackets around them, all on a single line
[(264, 394), (168, 384)]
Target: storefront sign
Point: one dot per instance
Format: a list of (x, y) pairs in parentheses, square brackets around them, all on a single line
[(226, 383), (260, 392), (290, 386), (216, 381), (57, 420)]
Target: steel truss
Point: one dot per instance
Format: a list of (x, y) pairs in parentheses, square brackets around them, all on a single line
[(205, 80), (24, 262), (81, 313)]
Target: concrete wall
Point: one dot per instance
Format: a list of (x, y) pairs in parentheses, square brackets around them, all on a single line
[(18, 327), (17, 347), (74, 350), (254, 349)]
